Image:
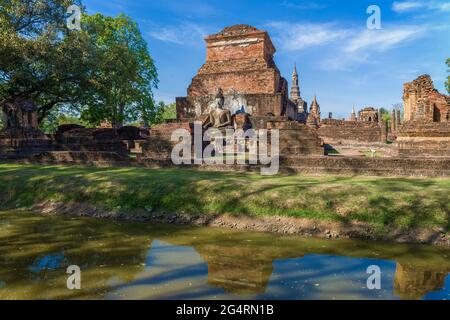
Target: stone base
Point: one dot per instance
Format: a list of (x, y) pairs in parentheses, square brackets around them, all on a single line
[(395, 167), (70, 139), (297, 139), (158, 145), (424, 139), (344, 132), (79, 157)]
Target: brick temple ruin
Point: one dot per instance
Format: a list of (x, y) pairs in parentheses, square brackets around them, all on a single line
[(21, 128), (240, 87), (21, 138), (240, 71), (239, 61), (426, 131)]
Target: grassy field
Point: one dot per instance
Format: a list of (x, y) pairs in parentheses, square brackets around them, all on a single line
[(382, 202)]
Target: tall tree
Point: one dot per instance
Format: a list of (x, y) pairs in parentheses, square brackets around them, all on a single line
[(447, 84), (125, 74), (40, 58), (163, 112), (385, 114), (104, 70)]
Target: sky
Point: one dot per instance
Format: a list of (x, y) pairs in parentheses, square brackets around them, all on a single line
[(338, 58)]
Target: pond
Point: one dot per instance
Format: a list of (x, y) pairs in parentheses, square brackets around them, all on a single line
[(130, 260)]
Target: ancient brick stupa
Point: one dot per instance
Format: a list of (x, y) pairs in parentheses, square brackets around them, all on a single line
[(239, 61), (369, 114), (423, 102), (426, 130), (20, 125), (239, 87)]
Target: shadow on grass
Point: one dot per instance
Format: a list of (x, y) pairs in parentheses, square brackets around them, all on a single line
[(383, 202)]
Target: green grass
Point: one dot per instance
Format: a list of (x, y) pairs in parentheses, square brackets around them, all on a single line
[(384, 203)]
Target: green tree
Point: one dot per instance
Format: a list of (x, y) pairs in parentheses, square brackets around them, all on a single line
[(447, 84), (103, 71), (125, 74), (59, 116), (385, 114), (40, 58), (162, 113)]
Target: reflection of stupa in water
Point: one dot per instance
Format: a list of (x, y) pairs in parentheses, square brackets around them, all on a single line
[(238, 270), (246, 270), (412, 283)]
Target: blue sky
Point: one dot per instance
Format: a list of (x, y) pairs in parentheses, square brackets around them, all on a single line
[(338, 58)]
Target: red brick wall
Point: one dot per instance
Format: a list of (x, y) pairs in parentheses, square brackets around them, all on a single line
[(338, 130), (250, 82), (218, 50)]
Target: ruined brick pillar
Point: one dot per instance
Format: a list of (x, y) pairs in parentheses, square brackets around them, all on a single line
[(393, 122), (384, 130), (423, 102)]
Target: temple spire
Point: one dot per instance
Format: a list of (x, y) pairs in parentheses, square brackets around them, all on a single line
[(353, 115), (315, 110), (295, 88)]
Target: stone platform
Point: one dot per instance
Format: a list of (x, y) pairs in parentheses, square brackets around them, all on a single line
[(424, 139), (343, 132), (345, 166)]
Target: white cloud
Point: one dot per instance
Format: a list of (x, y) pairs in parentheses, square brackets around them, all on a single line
[(302, 36), (304, 5), (292, 36), (182, 34), (405, 6), (385, 39), (361, 46)]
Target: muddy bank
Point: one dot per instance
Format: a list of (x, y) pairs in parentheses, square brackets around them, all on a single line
[(276, 224)]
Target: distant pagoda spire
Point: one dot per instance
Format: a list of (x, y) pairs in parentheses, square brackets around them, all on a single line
[(315, 110), (353, 116), (295, 88)]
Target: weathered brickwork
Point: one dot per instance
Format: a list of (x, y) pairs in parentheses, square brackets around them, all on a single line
[(426, 131), (239, 60), (158, 145), (20, 120), (423, 102), (20, 133), (424, 139), (369, 114), (297, 139), (340, 131), (189, 108), (339, 165)]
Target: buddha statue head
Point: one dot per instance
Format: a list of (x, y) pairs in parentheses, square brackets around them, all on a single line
[(219, 99)]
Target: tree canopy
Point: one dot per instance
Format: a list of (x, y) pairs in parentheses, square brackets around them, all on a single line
[(40, 58), (125, 73), (447, 84), (385, 114), (104, 71)]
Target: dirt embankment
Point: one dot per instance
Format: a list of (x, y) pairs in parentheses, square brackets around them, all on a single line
[(276, 224)]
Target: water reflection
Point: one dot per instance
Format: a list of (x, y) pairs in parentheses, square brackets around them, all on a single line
[(146, 261)]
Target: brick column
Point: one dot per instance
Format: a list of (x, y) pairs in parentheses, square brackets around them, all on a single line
[(393, 122)]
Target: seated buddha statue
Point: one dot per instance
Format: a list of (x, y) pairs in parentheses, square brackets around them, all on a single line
[(218, 117)]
